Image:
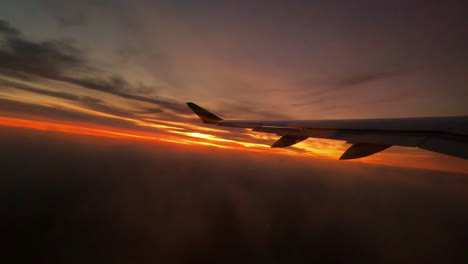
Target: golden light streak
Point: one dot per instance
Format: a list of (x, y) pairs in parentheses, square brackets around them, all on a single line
[(215, 138), (201, 135), (155, 125), (14, 122), (73, 129), (190, 126)]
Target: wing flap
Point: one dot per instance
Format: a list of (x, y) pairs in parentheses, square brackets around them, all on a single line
[(361, 150), (286, 141)]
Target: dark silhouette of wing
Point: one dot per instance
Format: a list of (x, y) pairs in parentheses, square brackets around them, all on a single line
[(447, 135)]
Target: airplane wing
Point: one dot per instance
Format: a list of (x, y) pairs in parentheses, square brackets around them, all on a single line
[(447, 135)]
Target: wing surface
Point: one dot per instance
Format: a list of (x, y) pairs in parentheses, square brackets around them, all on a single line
[(447, 135)]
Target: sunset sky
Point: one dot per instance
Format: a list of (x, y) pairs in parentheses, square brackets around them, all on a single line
[(124, 69), (102, 161)]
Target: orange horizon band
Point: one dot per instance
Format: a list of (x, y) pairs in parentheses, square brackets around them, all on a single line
[(208, 140)]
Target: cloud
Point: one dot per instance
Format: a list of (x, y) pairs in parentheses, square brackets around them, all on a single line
[(155, 203), (47, 59), (237, 111), (67, 15), (117, 86), (59, 60), (362, 79), (16, 109), (85, 101), (151, 111), (341, 83), (335, 89), (24, 87), (71, 19), (7, 30)]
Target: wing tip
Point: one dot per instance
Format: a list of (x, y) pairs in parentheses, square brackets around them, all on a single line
[(205, 116)]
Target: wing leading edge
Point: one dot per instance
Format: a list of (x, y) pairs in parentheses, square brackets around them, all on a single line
[(447, 135)]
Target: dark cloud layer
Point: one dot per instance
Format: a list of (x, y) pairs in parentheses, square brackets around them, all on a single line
[(73, 199)]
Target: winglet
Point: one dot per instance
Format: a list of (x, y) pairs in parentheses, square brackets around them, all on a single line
[(205, 116)]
